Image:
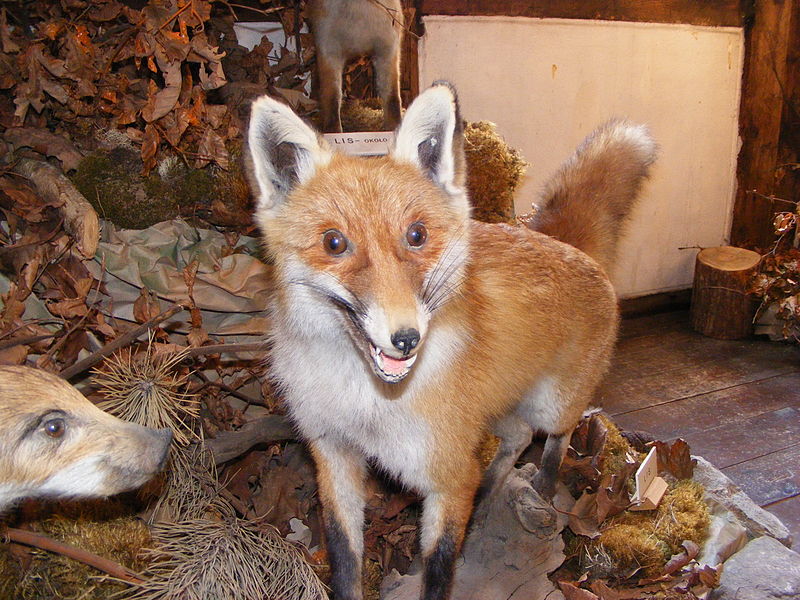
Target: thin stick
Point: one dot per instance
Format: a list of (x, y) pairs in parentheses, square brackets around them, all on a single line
[(120, 342), (225, 348), (25, 340), (37, 540)]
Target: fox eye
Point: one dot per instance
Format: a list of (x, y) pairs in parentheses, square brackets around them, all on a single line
[(55, 428), (417, 235), (334, 242)]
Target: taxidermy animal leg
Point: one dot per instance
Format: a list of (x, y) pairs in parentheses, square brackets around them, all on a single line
[(330, 96), (545, 479), (515, 435), (387, 79), (445, 515), (340, 476), (346, 29)]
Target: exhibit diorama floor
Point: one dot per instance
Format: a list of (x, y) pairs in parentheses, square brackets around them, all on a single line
[(737, 403)]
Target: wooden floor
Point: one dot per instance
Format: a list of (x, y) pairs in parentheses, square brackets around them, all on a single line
[(737, 403)]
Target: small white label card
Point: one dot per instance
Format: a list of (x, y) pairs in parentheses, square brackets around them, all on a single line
[(362, 143), (650, 487)]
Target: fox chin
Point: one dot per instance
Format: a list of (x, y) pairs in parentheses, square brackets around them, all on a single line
[(403, 330)]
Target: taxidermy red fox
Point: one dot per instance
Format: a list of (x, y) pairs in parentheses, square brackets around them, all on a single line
[(55, 443), (402, 330), (346, 29)]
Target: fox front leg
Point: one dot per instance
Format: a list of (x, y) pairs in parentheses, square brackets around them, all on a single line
[(340, 479), (445, 517)]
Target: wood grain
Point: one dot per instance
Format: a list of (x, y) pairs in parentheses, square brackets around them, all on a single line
[(747, 439), (771, 478), (708, 12), (688, 416), (763, 113), (664, 366)]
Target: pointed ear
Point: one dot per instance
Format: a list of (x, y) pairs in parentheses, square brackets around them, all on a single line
[(431, 137), (284, 151)]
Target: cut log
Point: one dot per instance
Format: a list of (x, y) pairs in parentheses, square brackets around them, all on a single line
[(266, 430), (721, 306), (80, 219)]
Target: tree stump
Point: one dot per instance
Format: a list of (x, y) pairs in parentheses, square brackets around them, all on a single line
[(721, 306)]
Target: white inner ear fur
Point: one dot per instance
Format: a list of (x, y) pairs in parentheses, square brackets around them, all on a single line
[(273, 123), (432, 115)]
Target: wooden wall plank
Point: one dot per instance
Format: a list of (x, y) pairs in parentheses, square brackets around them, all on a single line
[(763, 111), (707, 12)]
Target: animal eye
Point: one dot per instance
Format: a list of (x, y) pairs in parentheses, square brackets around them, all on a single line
[(416, 235), (334, 242), (55, 428)]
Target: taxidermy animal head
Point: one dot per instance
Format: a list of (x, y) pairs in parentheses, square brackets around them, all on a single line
[(55, 443)]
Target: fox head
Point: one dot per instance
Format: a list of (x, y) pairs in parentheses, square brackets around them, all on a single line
[(55, 443), (365, 248)]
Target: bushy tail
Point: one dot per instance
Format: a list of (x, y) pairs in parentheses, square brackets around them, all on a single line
[(587, 201)]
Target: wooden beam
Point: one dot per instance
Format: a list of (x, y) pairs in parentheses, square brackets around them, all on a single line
[(769, 45), (409, 59), (705, 12)]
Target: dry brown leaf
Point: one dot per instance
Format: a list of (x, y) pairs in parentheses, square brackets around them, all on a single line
[(675, 458), (45, 142), (67, 309), (162, 101), (211, 148), (583, 516), (604, 592), (146, 306), (150, 143), (573, 592)]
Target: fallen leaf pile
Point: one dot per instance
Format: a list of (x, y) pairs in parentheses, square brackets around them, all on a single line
[(618, 554)]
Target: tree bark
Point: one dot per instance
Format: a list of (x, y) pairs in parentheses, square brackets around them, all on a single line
[(721, 306)]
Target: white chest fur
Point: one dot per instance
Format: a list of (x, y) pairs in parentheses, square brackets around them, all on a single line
[(331, 392)]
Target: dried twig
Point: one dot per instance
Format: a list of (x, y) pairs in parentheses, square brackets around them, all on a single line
[(120, 342), (37, 540)]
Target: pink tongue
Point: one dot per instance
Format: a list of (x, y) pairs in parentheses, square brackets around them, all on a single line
[(393, 366)]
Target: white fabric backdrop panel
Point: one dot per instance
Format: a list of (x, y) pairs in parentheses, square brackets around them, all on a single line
[(547, 83)]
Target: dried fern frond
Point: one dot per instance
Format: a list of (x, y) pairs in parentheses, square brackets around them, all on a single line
[(148, 388), (201, 559)]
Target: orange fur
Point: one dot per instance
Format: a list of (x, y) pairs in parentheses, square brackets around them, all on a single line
[(502, 321)]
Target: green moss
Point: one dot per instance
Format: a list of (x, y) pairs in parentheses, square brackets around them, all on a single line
[(113, 185), (647, 539), (106, 529)]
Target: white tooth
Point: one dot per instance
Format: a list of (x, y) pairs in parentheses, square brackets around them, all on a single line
[(411, 360)]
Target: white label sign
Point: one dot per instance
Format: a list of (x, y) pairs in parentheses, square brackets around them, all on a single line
[(649, 486), (362, 143)]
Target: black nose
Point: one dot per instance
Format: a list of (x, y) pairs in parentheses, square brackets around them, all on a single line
[(405, 340)]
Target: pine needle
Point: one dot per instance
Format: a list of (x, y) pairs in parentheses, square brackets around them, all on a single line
[(203, 559)]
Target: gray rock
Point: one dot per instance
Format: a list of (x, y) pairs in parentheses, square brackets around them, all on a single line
[(723, 492), (514, 542), (762, 570)]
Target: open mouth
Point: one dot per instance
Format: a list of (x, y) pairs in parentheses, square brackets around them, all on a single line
[(391, 370)]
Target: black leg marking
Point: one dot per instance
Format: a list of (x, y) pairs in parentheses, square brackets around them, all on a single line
[(439, 568), (545, 479), (345, 565)]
